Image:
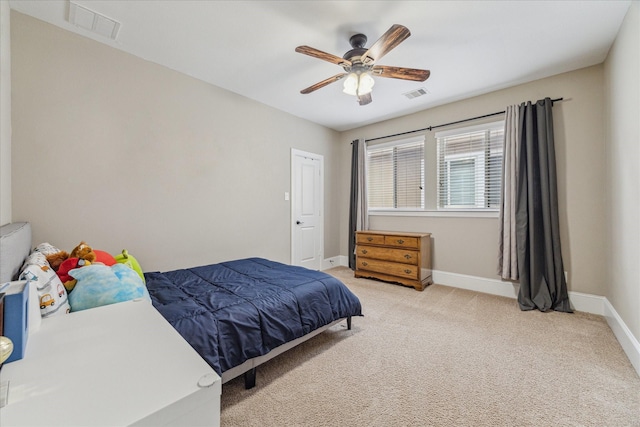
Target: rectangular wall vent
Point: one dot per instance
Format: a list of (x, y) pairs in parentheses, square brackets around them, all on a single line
[(416, 93), (95, 22)]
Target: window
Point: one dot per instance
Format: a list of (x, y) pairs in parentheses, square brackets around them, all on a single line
[(470, 166), (395, 175), (456, 172)]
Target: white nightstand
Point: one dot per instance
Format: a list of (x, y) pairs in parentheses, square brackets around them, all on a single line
[(117, 365)]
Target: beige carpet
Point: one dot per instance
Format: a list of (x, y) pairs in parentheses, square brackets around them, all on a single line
[(444, 357)]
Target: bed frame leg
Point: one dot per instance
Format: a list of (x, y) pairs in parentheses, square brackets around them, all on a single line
[(250, 379), (349, 323)]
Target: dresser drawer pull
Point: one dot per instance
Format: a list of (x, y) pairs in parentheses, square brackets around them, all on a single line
[(364, 251), (407, 271), (400, 241), (407, 256), (365, 263), (369, 239)]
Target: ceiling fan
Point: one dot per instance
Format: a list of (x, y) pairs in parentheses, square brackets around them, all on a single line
[(359, 64)]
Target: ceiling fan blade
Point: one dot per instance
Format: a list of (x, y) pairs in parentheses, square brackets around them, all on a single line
[(323, 83), (401, 73), (392, 38), (365, 99), (323, 55)]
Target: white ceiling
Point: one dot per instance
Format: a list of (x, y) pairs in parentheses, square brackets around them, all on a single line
[(471, 47)]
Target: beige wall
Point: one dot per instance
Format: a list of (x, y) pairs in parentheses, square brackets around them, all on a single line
[(124, 153), (622, 137), (5, 113), (469, 246)]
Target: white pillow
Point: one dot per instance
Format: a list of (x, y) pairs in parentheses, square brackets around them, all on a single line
[(46, 249), (52, 296)]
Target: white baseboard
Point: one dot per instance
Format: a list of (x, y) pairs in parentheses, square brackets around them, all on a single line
[(581, 302), (474, 283), (629, 343), (340, 260)]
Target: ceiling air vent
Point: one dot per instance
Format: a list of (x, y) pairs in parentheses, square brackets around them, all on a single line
[(85, 18), (416, 93)]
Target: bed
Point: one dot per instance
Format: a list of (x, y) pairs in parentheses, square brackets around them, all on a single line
[(237, 314), (241, 313)]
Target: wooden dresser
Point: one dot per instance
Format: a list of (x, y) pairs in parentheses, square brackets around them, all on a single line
[(396, 257)]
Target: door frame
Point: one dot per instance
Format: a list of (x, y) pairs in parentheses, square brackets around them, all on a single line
[(295, 152)]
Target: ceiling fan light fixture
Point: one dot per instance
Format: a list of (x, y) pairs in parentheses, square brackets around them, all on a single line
[(366, 83), (350, 86), (358, 84)]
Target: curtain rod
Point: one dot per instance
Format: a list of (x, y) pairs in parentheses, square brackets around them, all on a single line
[(430, 128)]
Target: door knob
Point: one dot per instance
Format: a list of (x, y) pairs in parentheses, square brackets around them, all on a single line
[(299, 222)]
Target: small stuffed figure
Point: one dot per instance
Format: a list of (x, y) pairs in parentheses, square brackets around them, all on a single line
[(53, 255), (56, 259), (87, 253), (127, 259), (83, 251)]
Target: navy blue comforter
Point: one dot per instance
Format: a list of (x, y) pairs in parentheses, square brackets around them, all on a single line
[(234, 311)]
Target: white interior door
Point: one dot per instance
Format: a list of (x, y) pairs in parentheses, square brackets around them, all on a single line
[(307, 209)]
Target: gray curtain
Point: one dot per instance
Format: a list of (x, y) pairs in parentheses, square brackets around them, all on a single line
[(508, 254), (358, 216), (540, 267)]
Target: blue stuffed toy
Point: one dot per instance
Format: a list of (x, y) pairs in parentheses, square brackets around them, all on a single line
[(99, 285)]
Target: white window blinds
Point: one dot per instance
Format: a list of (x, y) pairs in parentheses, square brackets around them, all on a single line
[(469, 167), (395, 175)]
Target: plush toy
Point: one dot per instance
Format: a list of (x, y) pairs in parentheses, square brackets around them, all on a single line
[(127, 259), (56, 259), (87, 253), (83, 251), (67, 265), (101, 285), (81, 256), (53, 255)]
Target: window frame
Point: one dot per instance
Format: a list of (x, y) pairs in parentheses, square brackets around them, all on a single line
[(421, 139), (483, 168), (431, 178)]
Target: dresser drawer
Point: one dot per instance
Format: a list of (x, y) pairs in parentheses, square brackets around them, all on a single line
[(371, 239), (391, 268), (402, 241), (406, 256)]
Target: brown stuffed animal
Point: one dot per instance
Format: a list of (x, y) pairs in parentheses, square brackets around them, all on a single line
[(56, 259), (83, 251), (53, 255)]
